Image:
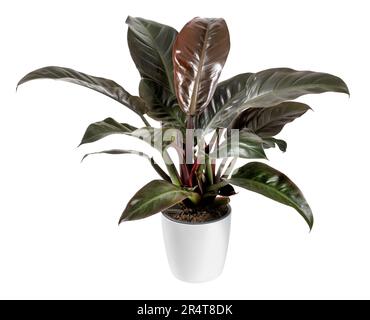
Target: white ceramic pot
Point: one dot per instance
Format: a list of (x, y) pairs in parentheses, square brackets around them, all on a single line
[(196, 252)]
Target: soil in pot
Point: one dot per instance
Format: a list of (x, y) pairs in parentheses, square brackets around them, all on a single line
[(198, 214)]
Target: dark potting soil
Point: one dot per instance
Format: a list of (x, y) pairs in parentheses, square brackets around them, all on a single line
[(196, 215)]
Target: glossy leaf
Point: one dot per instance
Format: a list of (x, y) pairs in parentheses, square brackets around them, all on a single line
[(228, 96), (248, 146), (155, 166), (154, 197), (263, 179), (102, 85), (162, 104), (263, 89), (101, 129), (150, 46), (153, 136), (268, 122), (199, 54)]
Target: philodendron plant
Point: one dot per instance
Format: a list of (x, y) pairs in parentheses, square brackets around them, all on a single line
[(202, 119)]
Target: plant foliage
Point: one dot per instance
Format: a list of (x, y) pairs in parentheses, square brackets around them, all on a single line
[(180, 87)]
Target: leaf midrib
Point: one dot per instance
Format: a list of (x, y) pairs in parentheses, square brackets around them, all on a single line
[(193, 101)]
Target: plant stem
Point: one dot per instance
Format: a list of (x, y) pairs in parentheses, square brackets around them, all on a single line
[(220, 169), (229, 168), (199, 175), (209, 170), (172, 171), (189, 122), (189, 144), (144, 120), (184, 174), (159, 170), (215, 139)]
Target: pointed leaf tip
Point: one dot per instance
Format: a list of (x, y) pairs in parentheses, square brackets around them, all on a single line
[(150, 41), (199, 54), (264, 89), (271, 183), (104, 86)]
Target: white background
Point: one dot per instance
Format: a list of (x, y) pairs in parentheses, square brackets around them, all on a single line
[(58, 218)]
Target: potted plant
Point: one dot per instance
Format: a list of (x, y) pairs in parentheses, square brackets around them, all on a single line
[(209, 124)]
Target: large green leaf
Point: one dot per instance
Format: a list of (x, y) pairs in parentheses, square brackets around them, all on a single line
[(268, 122), (261, 178), (263, 89), (229, 93), (248, 146), (150, 46), (155, 166), (104, 86), (162, 104), (154, 197), (101, 129), (199, 54)]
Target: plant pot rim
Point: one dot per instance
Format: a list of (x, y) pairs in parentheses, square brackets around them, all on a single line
[(197, 223)]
